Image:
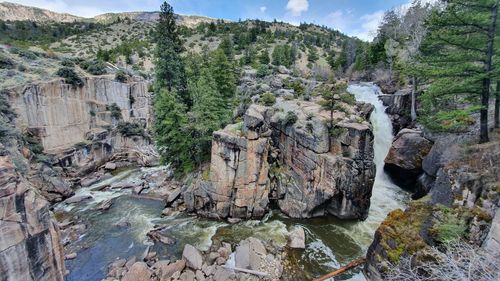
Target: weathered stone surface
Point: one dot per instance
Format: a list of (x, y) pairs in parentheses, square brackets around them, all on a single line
[(192, 256), (239, 185), (297, 238), (30, 246), (165, 271), (404, 160), (324, 175), (252, 254), (138, 272)]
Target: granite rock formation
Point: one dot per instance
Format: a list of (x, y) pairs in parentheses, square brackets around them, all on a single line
[(284, 153), (30, 246)]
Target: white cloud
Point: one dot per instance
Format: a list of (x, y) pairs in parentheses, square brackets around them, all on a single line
[(61, 6), (369, 26), (296, 7), (339, 20), (263, 9)]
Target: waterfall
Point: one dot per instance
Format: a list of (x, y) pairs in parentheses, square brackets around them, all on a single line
[(385, 196)]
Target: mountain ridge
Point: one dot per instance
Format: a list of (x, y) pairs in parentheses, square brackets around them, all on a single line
[(17, 12)]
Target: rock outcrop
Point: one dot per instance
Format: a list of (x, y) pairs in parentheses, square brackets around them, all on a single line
[(74, 123), (285, 153), (404, 160), (398, 108), (30, 246), (463, 196)]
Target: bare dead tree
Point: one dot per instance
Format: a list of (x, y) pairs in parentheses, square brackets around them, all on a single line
[(460, 261)]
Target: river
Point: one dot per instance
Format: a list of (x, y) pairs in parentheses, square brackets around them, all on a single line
[(330, 242)]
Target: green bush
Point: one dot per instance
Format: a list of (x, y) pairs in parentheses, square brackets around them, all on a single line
[(348, 98), (337, 131), (24, 53), (268, 99), (263, 71), (6, 63), (116, 112), (70, 76), (94, 67), (128, 129), (289, 119), (121, 76), (68, 62)]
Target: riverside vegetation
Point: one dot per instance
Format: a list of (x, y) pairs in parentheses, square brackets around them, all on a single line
[(155, 146)]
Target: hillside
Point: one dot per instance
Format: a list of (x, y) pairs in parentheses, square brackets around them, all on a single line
[(124, 40)]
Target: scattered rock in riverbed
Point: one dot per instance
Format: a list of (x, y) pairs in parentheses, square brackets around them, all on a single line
[(297, 238), (138, 272), (105, 205), (155, 235), (70, 256), (192, 256)]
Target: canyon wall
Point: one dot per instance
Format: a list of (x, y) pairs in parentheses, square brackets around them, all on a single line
[(75, 123), (285, 154), (30, 247)]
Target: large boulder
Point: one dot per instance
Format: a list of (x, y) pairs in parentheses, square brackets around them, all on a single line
[(193, 257), (404, 160), (30, 245), (138, 272), (252, 254)]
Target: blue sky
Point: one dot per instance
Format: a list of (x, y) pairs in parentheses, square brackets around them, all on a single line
[(354, 17)]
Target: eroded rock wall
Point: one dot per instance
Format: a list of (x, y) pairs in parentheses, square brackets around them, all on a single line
[(30, 246), (296, 163), (76, 123), (63, 114)]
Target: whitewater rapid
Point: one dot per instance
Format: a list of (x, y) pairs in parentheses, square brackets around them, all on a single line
[(386, 196)]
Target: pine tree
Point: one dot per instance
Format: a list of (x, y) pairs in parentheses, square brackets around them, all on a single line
[(458, 52), (227, 45), (210, 112), (223, 73), (329, 101), (169, 130), (264, 57), (169, 67)]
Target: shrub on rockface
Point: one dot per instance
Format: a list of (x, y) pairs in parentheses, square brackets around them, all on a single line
[(128, 129), (121, 76), (268, 99), (6, 63), (70, 76), (94, 67)]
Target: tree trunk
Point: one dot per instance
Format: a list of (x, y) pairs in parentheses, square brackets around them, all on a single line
[(485, 96), (413, 102), (497, 106)]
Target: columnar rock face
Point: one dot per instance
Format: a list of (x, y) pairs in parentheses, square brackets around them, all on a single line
[(73, 122), (285, 153), (63, 114), (239, 184), (325, 174), (30, 246)]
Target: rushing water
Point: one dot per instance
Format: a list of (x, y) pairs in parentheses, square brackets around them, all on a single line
[(330, 242)]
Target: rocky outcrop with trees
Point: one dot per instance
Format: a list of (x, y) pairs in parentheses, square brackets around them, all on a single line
[(285, 153)]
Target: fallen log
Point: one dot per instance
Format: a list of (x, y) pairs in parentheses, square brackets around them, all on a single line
[(249, 271), (351, 265)]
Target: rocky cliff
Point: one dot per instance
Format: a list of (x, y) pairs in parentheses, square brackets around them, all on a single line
[(76, 123), (30, 246), (285, 154), (461, 206)]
